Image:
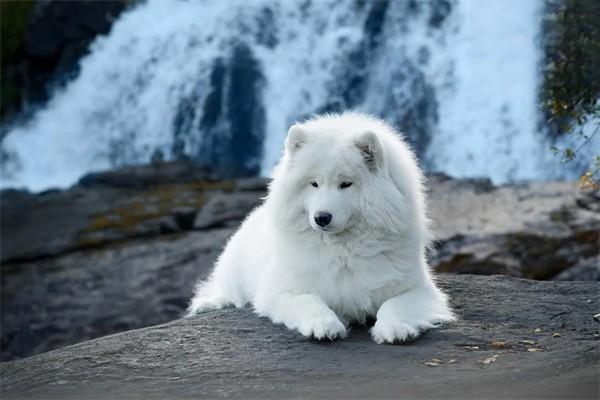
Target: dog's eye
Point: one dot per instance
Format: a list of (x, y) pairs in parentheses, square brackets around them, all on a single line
[(345, 185), (314, 184)]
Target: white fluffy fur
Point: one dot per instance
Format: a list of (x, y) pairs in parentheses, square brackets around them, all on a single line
[(369, 262)]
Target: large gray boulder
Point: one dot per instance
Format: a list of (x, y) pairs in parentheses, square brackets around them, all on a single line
[(514, 339), (535, 230)]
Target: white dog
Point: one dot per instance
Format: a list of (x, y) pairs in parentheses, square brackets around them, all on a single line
[(340, 237)]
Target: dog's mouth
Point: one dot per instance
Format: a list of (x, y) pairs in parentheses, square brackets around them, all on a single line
[(327, 230)]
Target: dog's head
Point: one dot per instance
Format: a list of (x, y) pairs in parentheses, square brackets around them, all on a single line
[(328, 177)]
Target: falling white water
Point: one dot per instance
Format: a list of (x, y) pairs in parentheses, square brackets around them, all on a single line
[(488, 115), (476, 72), (123, 102)]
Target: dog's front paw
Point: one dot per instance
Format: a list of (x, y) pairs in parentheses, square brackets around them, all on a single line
[(323, 326), (201, 304), (392, 331)]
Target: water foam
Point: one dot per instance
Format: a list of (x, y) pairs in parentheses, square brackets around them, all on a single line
[(473, 78)]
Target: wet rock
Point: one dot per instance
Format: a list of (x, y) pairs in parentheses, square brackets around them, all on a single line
[(233, 353), (375, 22), (142, 176), (233, 120), (533, 231), (587, 269), (252, 184), (112, 206), (589, 201), (222, 209), (56, 35), (185, 217)]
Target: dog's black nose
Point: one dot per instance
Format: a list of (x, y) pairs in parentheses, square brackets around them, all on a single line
[(322, 218)]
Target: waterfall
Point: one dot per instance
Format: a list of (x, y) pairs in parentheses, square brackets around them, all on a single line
[(220, 81)]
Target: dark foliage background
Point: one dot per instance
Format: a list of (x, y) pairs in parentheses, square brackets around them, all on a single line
[(571, 89)]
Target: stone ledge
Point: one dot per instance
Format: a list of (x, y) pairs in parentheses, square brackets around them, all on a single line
[(514, 338)]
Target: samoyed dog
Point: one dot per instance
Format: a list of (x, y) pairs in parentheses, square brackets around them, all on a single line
[(340, 237)]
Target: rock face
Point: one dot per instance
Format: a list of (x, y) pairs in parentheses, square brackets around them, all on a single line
[(531, 231), (514, 339), (50, 303), (115, 253), (46, 41), (109, 207), (233, 121), (123, 249)]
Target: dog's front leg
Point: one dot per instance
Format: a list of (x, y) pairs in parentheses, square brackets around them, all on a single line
[(407, 315), (306, 313)]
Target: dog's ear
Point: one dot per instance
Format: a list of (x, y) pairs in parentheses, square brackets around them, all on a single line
[(371, 150), (296, 138)]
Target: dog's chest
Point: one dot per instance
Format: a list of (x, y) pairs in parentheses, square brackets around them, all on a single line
[(356, 287)]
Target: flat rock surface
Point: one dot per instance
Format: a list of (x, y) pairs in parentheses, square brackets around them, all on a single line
[(514, 338)]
